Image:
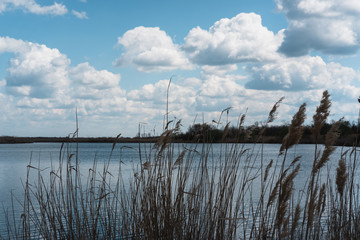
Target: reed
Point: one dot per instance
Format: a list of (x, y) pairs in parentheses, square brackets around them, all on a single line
[(179, 191)]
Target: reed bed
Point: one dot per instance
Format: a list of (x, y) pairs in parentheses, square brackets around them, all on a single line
[(188, 192)]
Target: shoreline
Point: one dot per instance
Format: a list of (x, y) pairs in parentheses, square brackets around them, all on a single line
[(343, 141), (19, 140)]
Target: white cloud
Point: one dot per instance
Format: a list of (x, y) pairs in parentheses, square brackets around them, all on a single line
[(8, 44), (151, 49), (218, 70), (190, 97), (80, 15), (239, 39), (39, 77), (38, 72), (33, 7), (299, 74), (105, 109), (85, 74), (90, 83), (179, 95), (221, 86), (42, 87), (148, 104), (330, 26)]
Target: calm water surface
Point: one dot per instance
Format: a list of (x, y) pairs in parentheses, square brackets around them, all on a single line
[(14, 159)]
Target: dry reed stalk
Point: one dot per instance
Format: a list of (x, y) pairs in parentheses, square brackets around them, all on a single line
[(175, 195), (295, 129), (222, 112), (240, 127), (319, 119), (341, 177), (272, 113), (295, 221), (225, 132), (321, 200), (271, 117), (166, 136), (322, 112), (330, 139), (310, 210), (266, 174), (286, 189), (242, 119), (291, 138)]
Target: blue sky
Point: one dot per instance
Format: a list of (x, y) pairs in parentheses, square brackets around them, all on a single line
[(111, 60)]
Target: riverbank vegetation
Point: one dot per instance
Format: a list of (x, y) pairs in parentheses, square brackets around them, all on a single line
[(210, 133), (188, 192), (273, 134)]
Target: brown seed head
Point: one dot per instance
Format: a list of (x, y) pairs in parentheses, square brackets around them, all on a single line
[(295, 130)]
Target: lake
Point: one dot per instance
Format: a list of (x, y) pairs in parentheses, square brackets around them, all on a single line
[(14, 159)]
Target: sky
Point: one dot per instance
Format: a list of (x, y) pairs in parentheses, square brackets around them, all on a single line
[(110, 63)]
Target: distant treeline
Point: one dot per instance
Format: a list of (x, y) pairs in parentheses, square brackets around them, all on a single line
[(258, 133), (207, 133), (10, 139)]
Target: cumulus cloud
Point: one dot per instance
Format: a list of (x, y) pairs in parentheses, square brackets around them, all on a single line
[(242, 38), (218, 70), (37, 71), (100, 101), (94, 84), (188, 99), (42, 86), (8, 44), (80, 15), (299, 74), (151, 49), (207, 95), (33, 7), (42, 77), (154, 96), (329, 26), (215, 85), (228, 42), (85, 74)]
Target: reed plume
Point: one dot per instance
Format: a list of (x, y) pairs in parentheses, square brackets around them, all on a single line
[(341, 176), (272, 113), (285, 193), (330, 139), (195, 192), (322, 112), (271, 117), (295, 130), (295, 221)]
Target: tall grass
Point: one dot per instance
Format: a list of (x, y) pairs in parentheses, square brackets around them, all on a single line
[(190, 192)]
